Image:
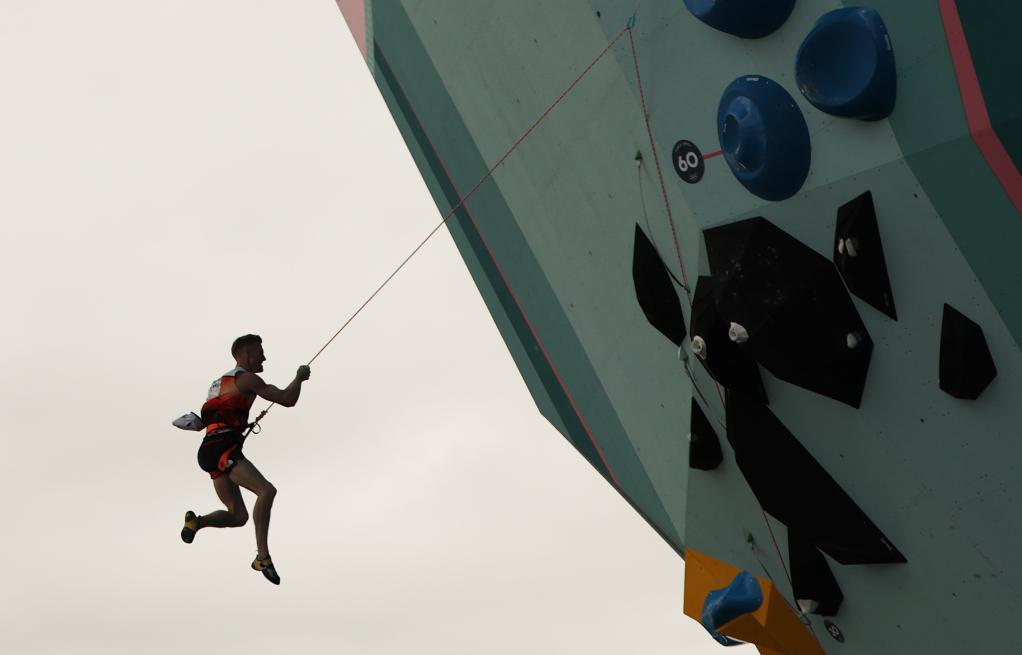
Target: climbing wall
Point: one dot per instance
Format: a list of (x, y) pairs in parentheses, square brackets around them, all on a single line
[(755, 261)]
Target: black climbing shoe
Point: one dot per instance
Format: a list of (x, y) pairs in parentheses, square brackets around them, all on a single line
[(266, 566), (191, 527)]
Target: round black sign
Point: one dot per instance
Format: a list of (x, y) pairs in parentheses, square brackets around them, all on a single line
[(834, 631), (688, 161)]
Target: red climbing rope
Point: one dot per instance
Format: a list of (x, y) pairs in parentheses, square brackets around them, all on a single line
[(656, 159), (777, 548), (486, 176), (539, 120), (663, 188), (798, 608)]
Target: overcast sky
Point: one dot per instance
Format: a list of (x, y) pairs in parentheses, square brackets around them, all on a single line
[(176, 174)]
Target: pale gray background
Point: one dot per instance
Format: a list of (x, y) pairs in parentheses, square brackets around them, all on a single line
[(176, 174)]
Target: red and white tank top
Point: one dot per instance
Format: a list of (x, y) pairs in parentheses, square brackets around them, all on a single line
[(226, 407)]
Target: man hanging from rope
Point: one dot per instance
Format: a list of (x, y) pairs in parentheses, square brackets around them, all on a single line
[(225, 415)]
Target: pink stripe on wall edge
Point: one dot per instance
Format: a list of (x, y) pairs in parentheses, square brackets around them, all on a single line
[(975, 108), (354, 12)]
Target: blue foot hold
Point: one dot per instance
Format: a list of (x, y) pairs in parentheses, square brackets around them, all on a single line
[(722, 606), (748, 19), (764, 137), (845, 66)]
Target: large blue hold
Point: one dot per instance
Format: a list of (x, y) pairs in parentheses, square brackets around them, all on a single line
[(749, 19), (722, 606), (764, 137), (845, 66)]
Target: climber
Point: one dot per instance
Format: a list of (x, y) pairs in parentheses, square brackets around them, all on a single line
[(225, 417)]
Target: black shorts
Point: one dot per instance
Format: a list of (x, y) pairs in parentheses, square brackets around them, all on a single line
[(220, 451)]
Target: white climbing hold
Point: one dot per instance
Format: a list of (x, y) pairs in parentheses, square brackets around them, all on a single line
[(853, 340), (807, 606), (737, 333), (848, 247), (699, 347)]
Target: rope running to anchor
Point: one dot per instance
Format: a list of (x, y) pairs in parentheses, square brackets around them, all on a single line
[(656, 160), (688, 370), (802, 615), (254, 427), (681, 262)]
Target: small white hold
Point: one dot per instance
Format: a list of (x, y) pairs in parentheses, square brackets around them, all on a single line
[(807, 606), (737, 333), (699, 347), (848, 247), (853, 340)]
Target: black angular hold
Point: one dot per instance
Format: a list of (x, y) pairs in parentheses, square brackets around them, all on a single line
[(811, 578), (859, 254), (792, 312), (722, 358), (792, 486), (655, 291), (966, 366), (704, 451)]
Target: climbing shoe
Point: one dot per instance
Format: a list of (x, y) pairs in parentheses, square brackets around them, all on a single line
[(191, 527), (266, 566)]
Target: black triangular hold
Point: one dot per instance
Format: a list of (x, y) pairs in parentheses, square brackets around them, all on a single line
[(800, 322), (793, 487), (966, 366), (704, 451), (722, 358), (655, 291), (859, 254), (811, 577)]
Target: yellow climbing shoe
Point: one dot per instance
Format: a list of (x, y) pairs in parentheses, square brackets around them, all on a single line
[(191, 527), (266, 566)]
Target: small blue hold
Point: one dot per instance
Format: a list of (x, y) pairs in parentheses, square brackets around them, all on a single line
[(722, 606), (764, 137), (845, 66), (748, 19)]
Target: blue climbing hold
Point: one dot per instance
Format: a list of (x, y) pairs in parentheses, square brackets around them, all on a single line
[(764, 137), (845, 66), (722, 606), (748, 19)]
